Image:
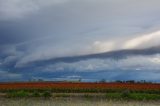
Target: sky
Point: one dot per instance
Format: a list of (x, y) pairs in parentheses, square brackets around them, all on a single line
[(79, 39)]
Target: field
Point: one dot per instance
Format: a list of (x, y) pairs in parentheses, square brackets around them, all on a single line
[(138, 91), (73, 102), (79, 94), (72, 85)]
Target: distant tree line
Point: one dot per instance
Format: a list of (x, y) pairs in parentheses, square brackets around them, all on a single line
[(100, 81), (125, 81)]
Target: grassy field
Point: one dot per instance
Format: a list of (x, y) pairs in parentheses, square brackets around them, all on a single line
[(118, 91), (79, 94), (109, 96), (72, 102)]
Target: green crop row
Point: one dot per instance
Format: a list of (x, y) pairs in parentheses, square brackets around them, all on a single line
[(23, 93), (80, 90)]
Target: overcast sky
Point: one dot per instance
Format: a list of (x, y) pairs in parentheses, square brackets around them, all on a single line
[(33, 31)]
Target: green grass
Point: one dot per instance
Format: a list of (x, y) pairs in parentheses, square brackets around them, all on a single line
[(23, 93), (133, 96), (110, 94), (61, 95), (20, 93), (46, 94), (139, 96), (36, 94), (81, 90)]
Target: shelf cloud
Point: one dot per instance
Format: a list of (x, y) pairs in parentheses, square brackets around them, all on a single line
[(86, 36)]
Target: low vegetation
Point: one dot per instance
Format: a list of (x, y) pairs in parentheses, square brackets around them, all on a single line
[(127, 91), (73, 102), (126, 95), (24, 93)]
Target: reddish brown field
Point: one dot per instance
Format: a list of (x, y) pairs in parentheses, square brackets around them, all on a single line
[(68, 85)]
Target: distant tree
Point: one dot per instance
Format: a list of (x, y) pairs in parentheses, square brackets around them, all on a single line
[(119, 81), (142, 81), (102, 80), (130, 81), (40, 80), (80, 79)]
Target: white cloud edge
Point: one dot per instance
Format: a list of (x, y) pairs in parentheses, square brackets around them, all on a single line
[(19, 9), (137, 63)]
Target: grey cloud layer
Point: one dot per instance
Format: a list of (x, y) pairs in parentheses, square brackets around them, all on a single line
[(12, 9), (38, 30)]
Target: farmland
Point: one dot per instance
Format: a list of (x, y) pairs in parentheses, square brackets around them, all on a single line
[(72, 85), (73, 102), (79, 94), (136, 91)]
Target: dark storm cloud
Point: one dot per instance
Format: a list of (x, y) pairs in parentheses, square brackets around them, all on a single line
[(115, 55), (63, 34)]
